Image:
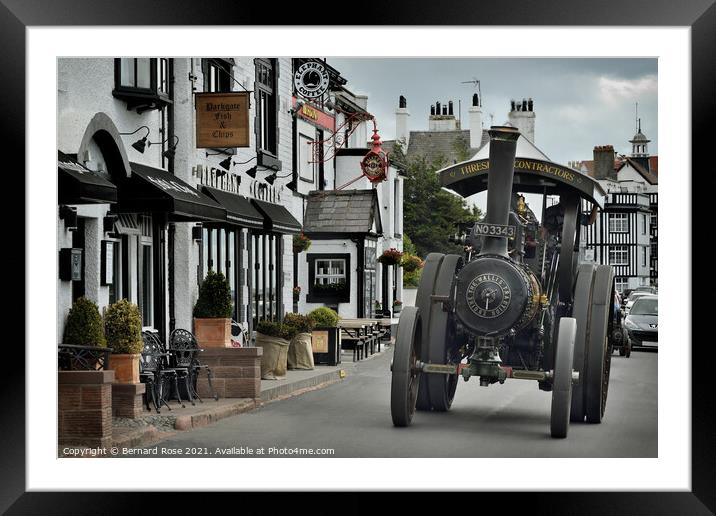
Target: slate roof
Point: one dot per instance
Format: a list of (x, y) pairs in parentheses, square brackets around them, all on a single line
[(342, 211)]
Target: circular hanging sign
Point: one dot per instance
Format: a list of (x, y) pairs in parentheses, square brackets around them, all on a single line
[(373, 166), (311, 80)]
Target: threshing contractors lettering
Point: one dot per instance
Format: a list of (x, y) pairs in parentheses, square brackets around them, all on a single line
[(475, 167), (222, 120)]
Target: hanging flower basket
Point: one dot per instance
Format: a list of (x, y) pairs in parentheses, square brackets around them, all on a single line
[(301, 243), (296, 293), (390, 257), (411, 263)]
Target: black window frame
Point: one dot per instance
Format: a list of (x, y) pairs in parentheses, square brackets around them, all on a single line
[(143, 99), (342, 296), (267, 157)]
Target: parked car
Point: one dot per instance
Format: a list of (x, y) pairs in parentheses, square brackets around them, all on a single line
[(633, 297), (642, 323), (648, 289)]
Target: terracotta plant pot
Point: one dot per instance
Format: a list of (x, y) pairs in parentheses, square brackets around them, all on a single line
[(213, 333), (125, 367)]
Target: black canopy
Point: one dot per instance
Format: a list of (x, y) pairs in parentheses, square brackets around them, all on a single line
[(277, 218), (154, 190), (239, 209), (76, 184)]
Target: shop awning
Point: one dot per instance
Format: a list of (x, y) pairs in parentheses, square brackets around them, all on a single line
[(277, 218), (76, 184), (152, 190), (239, 209)]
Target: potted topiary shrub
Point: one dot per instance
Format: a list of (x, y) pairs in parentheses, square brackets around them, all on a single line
[(325, 336), (397, 306), (300, 352), (123, 330), (84, 325), (274, 338), (212, 312)]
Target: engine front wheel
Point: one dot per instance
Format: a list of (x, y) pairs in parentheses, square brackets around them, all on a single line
[(562, 382), (405, 374)]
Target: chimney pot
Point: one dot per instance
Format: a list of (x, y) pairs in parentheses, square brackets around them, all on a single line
[(450, 112), (475, 100), (432, 110), (402, 102), (524, 104)]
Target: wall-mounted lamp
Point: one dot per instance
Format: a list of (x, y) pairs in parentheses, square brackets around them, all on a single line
[(226, 163), (169, 153), (140, 144), (196, 233), (270, 178), (69, 215), (108, 223), (251, 172), (295, 109)]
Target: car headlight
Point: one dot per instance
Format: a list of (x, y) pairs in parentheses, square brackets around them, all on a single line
[(630, 325)]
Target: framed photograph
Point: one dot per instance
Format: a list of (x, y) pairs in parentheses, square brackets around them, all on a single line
[(655, 454)]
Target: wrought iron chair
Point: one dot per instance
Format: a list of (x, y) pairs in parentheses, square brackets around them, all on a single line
[(185, 349), (155, 370)]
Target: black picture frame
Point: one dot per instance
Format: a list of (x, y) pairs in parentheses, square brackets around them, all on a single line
[(699, 15)]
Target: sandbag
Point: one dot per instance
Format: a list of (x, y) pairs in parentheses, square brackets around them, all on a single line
[(274, 357), (300, 353)]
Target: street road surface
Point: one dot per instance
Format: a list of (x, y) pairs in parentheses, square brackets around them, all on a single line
[(352, 418)]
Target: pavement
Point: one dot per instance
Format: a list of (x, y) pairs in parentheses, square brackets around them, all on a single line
[(152, 428), (351, 418)]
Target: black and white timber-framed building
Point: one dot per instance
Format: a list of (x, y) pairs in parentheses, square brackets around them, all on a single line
[(625, 234)]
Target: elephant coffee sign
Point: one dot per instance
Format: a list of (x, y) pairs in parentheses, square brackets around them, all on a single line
[(222, 120)]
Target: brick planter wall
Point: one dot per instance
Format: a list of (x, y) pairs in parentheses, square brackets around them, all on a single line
[(128, 400), (236, 372), (85, 408)]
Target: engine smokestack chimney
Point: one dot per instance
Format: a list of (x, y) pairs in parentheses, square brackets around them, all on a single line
[(503, 147)]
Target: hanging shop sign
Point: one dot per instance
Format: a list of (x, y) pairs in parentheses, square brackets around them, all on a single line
[(315, 116), (375, 164), (311, 80), (222, 120)]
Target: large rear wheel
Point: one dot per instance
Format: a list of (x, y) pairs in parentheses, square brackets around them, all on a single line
[(405, 374), (581, 312), (562, 382), (599, 357), (441, 387)]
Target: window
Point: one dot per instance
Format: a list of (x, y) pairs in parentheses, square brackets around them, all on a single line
[(370, 278), (397, 221), (618, 223), (143, 83), (328, 278), (217, 76), (619, 255), (621, 283), (643, 224), (643, 256), (145, 271), (266, 105), (330, 272), (265, 255)]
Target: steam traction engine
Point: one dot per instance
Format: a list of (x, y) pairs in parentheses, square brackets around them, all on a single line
[(505, 313)]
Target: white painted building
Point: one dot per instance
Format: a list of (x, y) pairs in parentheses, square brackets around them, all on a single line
[(154, 212)]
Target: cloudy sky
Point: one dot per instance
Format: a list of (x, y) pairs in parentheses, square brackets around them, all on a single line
[(579, 103)]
